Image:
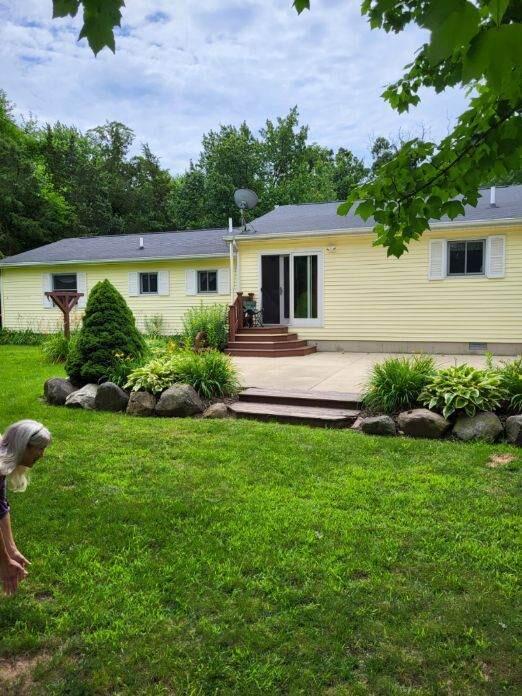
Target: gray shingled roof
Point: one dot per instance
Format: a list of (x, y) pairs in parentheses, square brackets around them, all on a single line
[(289, 219), (286, 219), (157, 245)]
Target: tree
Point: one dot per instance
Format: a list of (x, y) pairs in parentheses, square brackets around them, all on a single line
[(108, 331), (349, 171), (473, 44), (476, 45)]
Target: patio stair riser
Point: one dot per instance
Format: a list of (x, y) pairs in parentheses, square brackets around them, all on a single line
[(320, 409), (268, 342), (265, 338), (341, 400)]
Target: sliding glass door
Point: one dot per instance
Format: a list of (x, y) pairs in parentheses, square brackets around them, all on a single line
[(305, 282)]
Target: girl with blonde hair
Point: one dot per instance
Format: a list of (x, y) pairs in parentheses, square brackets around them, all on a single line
[(22, 444)]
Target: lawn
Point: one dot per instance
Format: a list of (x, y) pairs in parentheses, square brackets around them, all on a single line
[(210, 557)]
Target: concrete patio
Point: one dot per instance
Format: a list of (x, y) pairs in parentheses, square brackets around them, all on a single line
[(334, 372)]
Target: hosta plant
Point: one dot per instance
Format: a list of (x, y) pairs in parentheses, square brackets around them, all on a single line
[(464, 388), (511, 380), (211, 373)]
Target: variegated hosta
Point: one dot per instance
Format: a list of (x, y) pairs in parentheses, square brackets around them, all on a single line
[(464, 388)]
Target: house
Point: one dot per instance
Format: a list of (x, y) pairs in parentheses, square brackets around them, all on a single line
[(457, 290)]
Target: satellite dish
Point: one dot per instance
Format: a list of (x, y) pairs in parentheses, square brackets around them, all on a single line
[(245, 199)]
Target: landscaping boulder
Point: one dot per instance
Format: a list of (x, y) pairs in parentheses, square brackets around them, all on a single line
[(83, 398), (141, 404), (514, 430), (179, 400), (57, 389), (218, 410), (421, 422), (484, 426), (378, 425), (110, 397)]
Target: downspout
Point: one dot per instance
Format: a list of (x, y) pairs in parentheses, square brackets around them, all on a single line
[(231, 261)]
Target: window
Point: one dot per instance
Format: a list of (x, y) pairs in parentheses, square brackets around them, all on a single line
[(207, 281), (65, 281), (466, 257), (148, 283)]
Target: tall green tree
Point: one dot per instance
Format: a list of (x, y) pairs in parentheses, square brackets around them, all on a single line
[(474, 45)]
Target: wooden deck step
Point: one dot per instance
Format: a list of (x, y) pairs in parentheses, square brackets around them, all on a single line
[(265, 337), (265, 329), (260, 352), (305, 415), (291, 397), (267, 345)]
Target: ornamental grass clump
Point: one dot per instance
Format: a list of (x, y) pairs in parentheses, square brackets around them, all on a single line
[(209, 319), (396, 383), (511, 380), (464, 388), (211, 373), (56, 347), (108, 332)]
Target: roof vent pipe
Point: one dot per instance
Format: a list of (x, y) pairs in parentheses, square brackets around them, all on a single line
[(230, 225), (142, 245), (493, 197)]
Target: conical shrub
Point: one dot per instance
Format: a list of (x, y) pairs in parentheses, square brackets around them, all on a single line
[(108, 333)]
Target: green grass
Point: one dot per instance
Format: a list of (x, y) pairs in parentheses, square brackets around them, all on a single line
[(211, 557)]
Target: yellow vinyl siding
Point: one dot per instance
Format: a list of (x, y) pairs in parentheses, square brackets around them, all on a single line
[(369, 297), (23, 292)]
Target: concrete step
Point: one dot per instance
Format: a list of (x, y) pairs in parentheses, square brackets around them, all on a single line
[(342, 400), (270, 353), (305, 415), (254, 344), (265, 337)]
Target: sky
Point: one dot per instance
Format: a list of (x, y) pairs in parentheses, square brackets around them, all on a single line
[(183, 68)]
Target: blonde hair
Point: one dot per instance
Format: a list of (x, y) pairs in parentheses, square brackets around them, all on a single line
[(13, 445)]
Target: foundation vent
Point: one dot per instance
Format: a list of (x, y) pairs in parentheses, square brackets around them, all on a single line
[(477, 347)]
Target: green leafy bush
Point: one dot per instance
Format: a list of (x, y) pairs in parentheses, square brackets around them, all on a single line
[(25, 337), (56, 347), (212, 320), (108, 332), (155, 326), (464, 388), (211, 373), (396, 383), (511, 380), (121, 369)]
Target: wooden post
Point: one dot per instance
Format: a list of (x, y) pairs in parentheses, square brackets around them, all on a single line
[(66, 301)]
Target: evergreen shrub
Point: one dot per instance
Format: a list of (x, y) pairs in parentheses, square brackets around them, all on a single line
[(108, 332)]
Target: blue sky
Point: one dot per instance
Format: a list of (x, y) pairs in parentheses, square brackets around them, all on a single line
[(183, 68)]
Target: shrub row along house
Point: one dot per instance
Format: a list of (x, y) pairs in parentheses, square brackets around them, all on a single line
[(459, 289)]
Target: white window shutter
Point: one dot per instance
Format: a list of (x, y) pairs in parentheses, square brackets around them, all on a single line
[(81, 284), (47, 286), (163, 283), (191, 278), (134, 284), (224, 281), (437, 260), (496, 256)]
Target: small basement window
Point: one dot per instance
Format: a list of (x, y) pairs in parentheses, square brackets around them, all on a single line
[(65, 281), (466, 257), (148, 283), (207, 281)]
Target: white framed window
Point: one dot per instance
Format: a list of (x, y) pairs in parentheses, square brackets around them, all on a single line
[(207, 282), (461, 258), (466, 257), (65, 281), (148, 283)]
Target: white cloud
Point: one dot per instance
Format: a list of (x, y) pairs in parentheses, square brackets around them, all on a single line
[(180, 71)]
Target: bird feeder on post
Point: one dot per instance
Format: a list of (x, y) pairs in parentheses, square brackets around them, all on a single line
[(66, 301)]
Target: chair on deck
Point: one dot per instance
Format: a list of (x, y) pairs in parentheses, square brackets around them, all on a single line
[(252, 316)]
